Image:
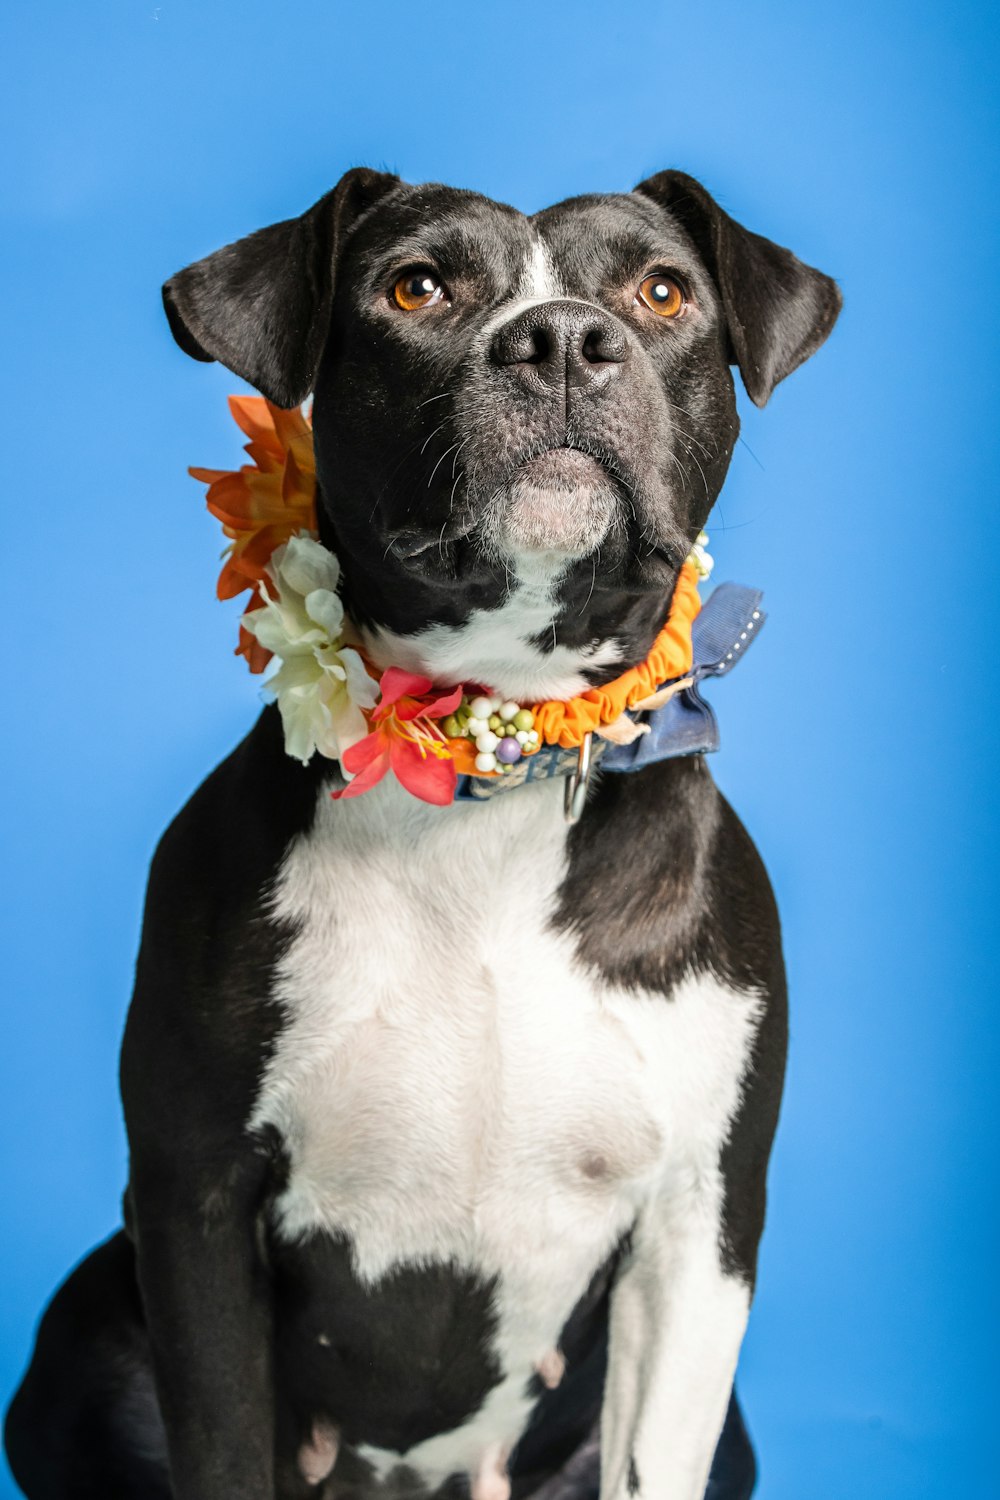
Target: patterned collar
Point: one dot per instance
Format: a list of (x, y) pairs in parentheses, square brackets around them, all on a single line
[(684, 724)]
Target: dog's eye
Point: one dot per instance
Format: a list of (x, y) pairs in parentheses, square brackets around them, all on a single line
[(662, 295), (416, 289)]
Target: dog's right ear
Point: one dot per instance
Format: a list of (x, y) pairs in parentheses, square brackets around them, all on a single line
[(261, 306), (778, 310)]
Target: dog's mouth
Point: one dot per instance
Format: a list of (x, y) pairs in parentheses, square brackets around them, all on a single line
[(559, 502), (562, 501)]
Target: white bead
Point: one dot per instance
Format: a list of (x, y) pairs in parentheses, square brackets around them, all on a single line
[(756, 614), (481, 708), (476, 726), (532, 736), (521, 736), (487, 741), (508, 709), (486, 762), (495, 703)]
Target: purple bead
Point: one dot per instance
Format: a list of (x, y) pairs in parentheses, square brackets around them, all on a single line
[(508, 750)]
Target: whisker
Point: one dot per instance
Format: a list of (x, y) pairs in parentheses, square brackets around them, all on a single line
[(753, 455), (394, 471), (593, 580), (439, 397), (451, 501), (437, 429), (684, 412), (454, 461), (439, 463)]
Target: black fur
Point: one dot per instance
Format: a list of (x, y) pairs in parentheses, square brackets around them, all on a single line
[(399, 1361), (262, 305)]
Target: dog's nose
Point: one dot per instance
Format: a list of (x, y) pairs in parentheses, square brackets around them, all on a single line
[(561, 345)]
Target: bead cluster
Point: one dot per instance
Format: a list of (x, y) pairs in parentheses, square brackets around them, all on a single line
[(502, 730)]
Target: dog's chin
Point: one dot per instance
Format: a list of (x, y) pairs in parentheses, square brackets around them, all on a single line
[(562, 504)]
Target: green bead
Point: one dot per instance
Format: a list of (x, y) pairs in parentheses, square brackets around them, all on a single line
[(509, 729), (452, 727), (495, 721), (524, 719)]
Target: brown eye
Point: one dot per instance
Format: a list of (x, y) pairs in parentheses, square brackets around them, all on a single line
[(662, 295), (416, 289)]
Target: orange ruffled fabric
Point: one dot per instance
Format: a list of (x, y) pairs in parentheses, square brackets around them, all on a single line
[(565, 722), (264, 503)]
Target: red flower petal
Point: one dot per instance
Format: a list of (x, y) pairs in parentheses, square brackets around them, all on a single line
[(361, 754), (429, 777), (440, 708), (428, 707), (396, 683), (369, 774)]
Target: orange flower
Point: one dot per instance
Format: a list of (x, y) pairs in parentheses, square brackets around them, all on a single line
[(263, 503)]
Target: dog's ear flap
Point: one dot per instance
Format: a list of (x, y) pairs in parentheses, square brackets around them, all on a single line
[(261, 306), (778, 310)]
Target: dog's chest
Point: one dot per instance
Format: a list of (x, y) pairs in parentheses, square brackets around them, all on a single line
[(449, 1082)]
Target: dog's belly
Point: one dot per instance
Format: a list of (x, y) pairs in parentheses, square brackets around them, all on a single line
[(471, 1121)]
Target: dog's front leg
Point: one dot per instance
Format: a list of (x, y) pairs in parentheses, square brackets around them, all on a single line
[(207, 1302), (677, 1321)]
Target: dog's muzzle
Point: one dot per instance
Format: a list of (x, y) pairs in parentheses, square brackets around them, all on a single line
[(560, 356)]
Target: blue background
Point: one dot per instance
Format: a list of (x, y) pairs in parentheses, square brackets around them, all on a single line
[(859, 739)]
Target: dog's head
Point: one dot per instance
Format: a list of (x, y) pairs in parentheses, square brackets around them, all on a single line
[(521, 424)]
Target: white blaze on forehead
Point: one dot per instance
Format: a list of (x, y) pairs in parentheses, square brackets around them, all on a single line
[(540, 283)]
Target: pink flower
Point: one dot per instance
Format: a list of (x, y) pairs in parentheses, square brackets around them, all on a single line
[(406, 740)]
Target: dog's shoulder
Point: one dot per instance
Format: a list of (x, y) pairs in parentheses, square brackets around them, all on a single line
[(201, 1020), (663, 880), (232, 833)]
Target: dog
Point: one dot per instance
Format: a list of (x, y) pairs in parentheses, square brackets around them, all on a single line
[(449, 1126)]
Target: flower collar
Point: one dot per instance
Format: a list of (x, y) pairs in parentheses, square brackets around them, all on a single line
[(334, 702)]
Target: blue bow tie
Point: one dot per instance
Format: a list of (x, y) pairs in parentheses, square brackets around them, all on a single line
[(723, 632)]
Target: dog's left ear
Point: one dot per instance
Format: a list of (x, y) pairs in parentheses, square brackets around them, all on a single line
[(778, 310), (261, 306)]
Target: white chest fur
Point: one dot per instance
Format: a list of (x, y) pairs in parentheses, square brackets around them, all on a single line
[(452, 1086)]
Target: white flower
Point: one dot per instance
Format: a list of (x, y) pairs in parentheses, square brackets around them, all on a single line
[(322, 685), (703, 560)]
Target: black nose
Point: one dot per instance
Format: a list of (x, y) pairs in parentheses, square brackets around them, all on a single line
[(561, 345)]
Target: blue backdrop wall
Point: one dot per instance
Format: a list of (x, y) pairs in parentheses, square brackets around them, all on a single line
[(858, 741)]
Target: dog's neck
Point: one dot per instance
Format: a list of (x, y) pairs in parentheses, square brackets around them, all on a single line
[(542, 629)]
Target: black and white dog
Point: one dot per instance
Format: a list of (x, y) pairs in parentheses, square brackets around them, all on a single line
[(449, 1127)]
